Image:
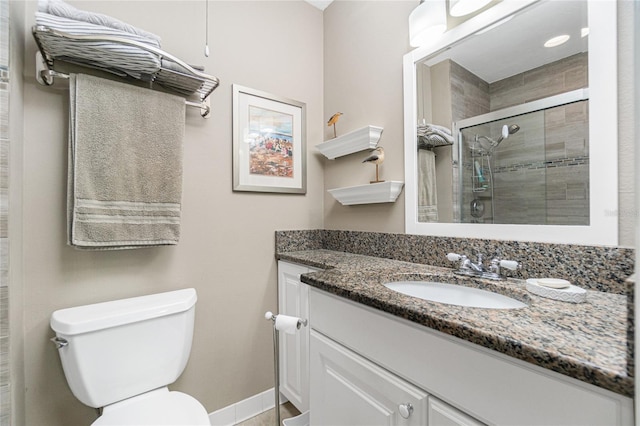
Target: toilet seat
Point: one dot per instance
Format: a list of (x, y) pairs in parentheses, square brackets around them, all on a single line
[(158, 407)]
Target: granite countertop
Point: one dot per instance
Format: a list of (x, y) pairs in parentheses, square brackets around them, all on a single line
[(586, 341)]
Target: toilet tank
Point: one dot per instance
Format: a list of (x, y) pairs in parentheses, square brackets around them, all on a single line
[(119, 349)]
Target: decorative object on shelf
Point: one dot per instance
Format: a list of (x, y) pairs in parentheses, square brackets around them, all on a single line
[(383, 192), (357, 140), (377, 158), (332, 122), (269, 140)]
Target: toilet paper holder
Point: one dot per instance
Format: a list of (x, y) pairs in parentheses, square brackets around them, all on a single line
[(276, 357), (270, 316)]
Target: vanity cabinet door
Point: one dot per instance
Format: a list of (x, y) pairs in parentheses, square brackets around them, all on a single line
[(442, 414), (293, 300), (349, 390)]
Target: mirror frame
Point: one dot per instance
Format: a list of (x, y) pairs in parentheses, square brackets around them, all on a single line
[(603, 126)]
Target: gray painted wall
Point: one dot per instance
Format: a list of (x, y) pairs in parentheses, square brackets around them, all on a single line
[(227, 246)]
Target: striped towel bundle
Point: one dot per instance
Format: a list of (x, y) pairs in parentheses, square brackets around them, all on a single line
[(64, 10), (132, 60), (99, 41)]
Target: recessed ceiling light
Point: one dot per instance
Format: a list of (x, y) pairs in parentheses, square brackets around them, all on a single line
[(584, 32), (557, 41)]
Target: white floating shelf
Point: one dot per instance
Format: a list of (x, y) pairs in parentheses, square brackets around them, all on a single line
[(358, 140), (383, 192)]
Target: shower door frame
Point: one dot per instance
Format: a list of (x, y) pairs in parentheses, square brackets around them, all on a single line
[(501, 114)]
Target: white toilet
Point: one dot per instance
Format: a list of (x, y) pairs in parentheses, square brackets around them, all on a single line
[(121, 355)]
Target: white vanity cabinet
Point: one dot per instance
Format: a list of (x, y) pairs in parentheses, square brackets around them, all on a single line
[(442, 414), (293, 300), (366, 364), (350, 390)]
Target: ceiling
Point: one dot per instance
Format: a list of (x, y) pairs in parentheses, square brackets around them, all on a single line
[(516, 45), (320, 4)]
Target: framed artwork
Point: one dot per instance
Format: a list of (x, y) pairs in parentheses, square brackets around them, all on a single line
[(269, 143)]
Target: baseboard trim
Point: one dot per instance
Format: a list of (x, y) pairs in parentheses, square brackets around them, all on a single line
[(245, 409)]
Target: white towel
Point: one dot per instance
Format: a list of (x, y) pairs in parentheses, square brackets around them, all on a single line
[(64, 10), (427, 192), (125, 165), (103, 54)]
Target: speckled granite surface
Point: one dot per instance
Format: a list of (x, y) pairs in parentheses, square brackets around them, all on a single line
[(592, 267), (585, 341)]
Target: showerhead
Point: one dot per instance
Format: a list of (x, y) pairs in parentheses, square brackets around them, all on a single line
[(506, 131), (482, 149)]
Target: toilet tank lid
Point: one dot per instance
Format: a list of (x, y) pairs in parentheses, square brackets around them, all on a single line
[(87, 318)]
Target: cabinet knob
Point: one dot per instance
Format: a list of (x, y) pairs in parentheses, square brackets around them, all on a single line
[(405, 410)]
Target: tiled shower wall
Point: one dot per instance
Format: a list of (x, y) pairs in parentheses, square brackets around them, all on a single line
[(5, 395), (556, 162)]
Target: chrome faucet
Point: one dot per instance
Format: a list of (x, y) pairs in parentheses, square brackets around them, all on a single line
[(477, 269)]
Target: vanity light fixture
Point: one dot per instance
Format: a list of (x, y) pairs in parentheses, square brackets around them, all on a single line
[(465, 7), (557, 41), (427, 22)]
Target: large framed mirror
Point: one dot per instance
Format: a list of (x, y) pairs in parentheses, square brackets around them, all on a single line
[(508, 139)]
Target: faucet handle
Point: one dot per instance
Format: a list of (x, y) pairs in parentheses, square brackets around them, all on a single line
[(454, 257), (512, 265)]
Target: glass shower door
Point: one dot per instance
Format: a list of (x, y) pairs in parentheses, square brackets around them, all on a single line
[(527, 169)]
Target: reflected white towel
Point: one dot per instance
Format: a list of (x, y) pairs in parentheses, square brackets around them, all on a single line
[(427, 193), (432, 135)]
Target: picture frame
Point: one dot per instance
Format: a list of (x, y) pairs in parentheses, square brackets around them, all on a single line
[(269, 142)]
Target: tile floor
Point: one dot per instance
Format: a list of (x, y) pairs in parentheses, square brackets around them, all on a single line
[(268, 417)]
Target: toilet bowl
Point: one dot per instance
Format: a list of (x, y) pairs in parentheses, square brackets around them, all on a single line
[(120, 356), (159, 407)]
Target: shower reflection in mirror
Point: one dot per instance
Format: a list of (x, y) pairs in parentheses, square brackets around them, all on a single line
[(536, 171), (520, 152)]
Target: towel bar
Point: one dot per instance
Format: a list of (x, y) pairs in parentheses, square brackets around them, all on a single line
[(46, 76)]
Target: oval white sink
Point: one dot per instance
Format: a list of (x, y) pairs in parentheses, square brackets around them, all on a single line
[(452, 294)]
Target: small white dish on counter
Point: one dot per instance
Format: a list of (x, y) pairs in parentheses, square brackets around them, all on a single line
[(553, 282), (570, 293)]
